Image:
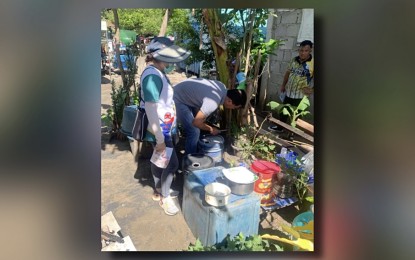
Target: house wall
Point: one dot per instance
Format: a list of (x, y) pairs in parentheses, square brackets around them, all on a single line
[(285, 27)]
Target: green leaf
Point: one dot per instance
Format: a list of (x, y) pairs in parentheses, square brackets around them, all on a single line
[(231, 245), (274, 106), (248, 245), (285, 111), (258, 248), (304, 104), (310, 199), (304, 113), (257, 240), (277, 247), (290, 108)]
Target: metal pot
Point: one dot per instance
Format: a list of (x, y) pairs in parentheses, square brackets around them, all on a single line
[(240, 180), (241, 188), (217, 194)]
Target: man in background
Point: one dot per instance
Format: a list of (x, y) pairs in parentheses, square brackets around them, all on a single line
[(297, 80)]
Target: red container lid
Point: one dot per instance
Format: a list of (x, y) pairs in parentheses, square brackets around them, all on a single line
[(265, 167)]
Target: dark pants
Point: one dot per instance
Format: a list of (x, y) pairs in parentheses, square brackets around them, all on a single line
[(185, 116)]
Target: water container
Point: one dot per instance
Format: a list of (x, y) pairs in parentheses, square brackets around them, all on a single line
[(264, 185), (211, 224), (197, 161), (212, 145), (284, 186), (128, 119)]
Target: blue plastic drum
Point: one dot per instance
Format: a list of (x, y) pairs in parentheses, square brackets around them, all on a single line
[(212, 145)]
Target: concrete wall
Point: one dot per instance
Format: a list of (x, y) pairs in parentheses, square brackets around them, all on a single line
[(283, 27)]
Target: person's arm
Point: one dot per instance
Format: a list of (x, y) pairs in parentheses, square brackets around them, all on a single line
[(286, 76), (199, 122), (152, 85), (308, 90), (153, 122)]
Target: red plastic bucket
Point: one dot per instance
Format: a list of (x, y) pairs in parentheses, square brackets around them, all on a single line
[(265, 171)]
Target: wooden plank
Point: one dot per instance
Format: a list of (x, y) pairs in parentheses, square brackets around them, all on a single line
[(305, 126), (109, 224), (282, 142), (292, 129), (126, 246), (305, 147)]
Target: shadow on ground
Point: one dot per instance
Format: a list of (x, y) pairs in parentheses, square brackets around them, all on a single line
[(105, 80)]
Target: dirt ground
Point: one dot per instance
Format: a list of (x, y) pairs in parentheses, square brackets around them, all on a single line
[(126, 189)]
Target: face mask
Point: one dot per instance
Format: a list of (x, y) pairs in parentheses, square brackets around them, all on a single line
[(169, 68)]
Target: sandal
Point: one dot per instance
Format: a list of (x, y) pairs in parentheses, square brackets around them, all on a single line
[(156, 196)]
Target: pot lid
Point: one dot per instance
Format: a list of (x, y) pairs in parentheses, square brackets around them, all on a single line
[(265, 167), (239, 175)]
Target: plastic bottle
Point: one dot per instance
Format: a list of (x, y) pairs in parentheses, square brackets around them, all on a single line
[(291, 157), (283, 152)]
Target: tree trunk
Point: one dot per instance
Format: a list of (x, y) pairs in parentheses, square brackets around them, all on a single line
[(201, 36), (251, 89), (117, 48), (217, 38), (249, 40), (166, 18), (246, 50)]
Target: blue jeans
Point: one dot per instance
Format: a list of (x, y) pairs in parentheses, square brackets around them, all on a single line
[(164, 177), (185, 116)]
